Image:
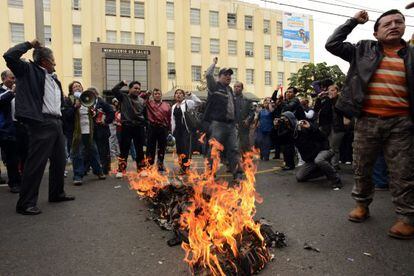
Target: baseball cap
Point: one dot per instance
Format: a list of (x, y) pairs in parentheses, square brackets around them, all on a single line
[(225, 70)]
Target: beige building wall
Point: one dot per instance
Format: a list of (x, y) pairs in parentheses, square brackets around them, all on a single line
[(155, 25)]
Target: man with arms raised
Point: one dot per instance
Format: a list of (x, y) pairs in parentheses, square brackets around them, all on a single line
[(379, 92)]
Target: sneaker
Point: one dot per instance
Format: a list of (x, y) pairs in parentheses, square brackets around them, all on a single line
[(119, 175), (101, 176), (337, 185), (300, 163), (77, 182), (65, 174), (348, 163), (161, 168), (286, 168)]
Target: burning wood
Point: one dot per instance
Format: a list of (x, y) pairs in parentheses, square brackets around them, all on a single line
[(214, 221)]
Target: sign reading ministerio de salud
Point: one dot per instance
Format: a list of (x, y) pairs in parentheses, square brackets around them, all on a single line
[(296, 37)]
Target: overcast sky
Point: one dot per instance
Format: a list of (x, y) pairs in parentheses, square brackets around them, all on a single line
[(325, 24)]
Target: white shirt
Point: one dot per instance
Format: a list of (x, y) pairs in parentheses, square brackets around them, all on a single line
[(52, 97), (84, 119), (13, 108)]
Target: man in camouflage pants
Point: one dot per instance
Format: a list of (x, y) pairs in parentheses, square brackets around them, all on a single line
[(379, 92)]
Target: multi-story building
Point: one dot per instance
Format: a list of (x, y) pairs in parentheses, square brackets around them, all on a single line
[(161, 43)]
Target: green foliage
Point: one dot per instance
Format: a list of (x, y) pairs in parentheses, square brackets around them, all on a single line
[(312, 72)]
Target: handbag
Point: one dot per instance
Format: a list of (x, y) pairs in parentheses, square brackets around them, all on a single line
[(193, 118)]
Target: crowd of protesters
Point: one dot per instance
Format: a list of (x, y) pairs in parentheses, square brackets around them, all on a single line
[(39, 124)]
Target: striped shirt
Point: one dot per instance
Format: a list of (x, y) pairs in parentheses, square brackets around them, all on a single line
[(387, 94)]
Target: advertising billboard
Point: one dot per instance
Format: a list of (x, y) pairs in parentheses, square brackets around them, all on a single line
[(296, 37)]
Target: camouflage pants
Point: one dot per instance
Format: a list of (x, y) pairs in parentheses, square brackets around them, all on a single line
[(395, 137)]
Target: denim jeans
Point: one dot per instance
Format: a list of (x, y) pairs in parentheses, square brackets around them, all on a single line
[(85, 148), (319, 167), (226, 134), (265, 143)]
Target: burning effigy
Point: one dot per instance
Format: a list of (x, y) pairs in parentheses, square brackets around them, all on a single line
[(211, 218)]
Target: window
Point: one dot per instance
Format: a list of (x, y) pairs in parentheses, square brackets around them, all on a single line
[(279, 53), (48, 35), (125, 69), (249, 49), (171, 70), (170, 10), (17, 32), (232, 20), (76, 5), (195, 44), (249, 76), (139, 10), (111, 36), (234, 76), (77, 34), (194, 16), (125, 8), (126, 37), (266, 26), (267, 51), (214, 18), (139, 38), (279, 28), (110, 7), (214, 46), (77, 67), (46, 5), (268, 78), (196, 73), (232, 47), (15, 3), (170, 41), (280, 77), (248, 22)]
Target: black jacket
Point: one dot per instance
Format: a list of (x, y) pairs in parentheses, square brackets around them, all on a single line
[(310, 142), (99, 129), (30, 84), (364, 58), (294, 106), (7, 129), (243, 111), (133, 110)]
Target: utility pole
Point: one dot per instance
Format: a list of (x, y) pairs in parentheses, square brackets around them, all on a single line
[(40, 26)]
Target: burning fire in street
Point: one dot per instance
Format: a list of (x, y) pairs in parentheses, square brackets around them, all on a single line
[(213, 219)]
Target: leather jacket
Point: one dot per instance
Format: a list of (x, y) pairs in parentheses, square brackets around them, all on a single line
[(364, 58)]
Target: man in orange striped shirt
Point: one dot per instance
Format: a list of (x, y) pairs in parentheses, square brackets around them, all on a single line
[(379, 92)]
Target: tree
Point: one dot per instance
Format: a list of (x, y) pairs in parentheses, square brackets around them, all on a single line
[(312, 72)]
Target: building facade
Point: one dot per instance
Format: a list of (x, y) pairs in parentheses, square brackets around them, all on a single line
[(161, 43)]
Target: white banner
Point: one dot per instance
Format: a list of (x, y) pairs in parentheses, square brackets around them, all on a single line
[(296, 37)]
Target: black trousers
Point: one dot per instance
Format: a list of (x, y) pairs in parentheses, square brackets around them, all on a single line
[(183, 146), (137, 133), (101, 135), (46, 142), (288, 150), (11, 159), (22, 140), (157, 136)]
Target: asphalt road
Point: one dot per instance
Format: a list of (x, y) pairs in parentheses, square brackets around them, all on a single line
[(105, 231)]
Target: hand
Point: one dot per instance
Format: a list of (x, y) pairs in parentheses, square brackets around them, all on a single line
[(13, 89), (215, 59), (304, 123), (361, 17), (77, 103), (35, 43)]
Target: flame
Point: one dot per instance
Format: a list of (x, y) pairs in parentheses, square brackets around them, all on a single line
[(218, 215)]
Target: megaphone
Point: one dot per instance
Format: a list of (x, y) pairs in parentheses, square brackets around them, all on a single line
[(87, 98)]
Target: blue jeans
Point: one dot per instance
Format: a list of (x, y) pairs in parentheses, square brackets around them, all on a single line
[(226, 134), (85, 148), (265, 143)]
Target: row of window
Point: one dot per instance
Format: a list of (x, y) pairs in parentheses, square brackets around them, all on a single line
[(125, 8), (17, 36), (46, 4), (139, 12)]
